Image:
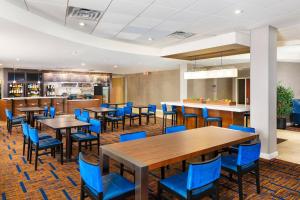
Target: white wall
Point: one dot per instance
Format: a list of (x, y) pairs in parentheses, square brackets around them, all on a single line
[(289, 75)]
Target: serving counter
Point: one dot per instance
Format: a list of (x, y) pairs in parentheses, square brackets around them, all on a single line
[(231, 114)]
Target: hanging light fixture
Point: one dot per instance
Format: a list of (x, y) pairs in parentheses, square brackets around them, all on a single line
[(14, 81), (39, 81)]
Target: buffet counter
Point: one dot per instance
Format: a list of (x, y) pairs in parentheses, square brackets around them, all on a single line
[(231, 114)]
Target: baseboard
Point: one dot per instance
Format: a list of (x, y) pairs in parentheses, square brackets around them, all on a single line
[(269, 156)]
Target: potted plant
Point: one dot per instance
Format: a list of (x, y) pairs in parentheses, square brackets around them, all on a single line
[(285, 97)]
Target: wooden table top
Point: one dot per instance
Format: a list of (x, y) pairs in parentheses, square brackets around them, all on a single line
[(99, 109), (30, 109), (158, 151), (62, 123), (140, 106)]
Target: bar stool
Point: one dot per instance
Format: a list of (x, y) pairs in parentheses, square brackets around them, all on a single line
[(165, 116), (208, 119), (246, 117), (189, 115)]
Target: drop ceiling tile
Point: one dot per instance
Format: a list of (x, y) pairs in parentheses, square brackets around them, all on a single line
[(158, 12), (146, 22), (127, 7), (116, 18), (108, 28), (90, 4), (19, 3), (186, 17), (209, 6), (177, 4), (134, 29), (128, 36)]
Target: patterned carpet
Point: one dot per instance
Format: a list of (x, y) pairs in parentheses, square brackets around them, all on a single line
[(18, 180)]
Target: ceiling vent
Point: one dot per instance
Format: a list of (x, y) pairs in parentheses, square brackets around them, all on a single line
[(84, 14), (180, 35)]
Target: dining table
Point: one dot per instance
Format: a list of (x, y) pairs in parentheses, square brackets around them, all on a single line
[(30, 113), (140, 108), (154, 152), (67, 123), (116, 105), (102, 111)]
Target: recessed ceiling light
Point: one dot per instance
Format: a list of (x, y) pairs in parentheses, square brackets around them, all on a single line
[(115, 66), (238, 11), (150, 38), (82, 64), (81, 24), (1, 64), (18, 59)]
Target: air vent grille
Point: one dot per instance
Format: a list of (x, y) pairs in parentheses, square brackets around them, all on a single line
[(181, 35), (84, 14)]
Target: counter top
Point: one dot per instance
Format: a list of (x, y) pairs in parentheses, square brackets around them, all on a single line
[(235, 108), (25, 98)]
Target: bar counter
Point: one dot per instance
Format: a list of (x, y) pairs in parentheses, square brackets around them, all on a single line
[(230, 114)]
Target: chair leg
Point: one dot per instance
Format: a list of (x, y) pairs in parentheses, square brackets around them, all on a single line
[(159, 191), (30, 155), (24, 140), (257, 179), (163, 126), (82, 191), (121, 169), (183, 165), (162, 173), (54, 153), (79, 148), (172, 120), (28, 149), (216, 195), (36, 158), (196, 122), (61, 154), (98, 145), (123, 121), (90, 145), (155, 118), (112, 126), (240, 184)]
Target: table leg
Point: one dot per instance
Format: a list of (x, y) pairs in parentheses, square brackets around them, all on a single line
[(96, 116), (68, 143), (32, 119), (140, 116), (105, 163), (104, 120), (141, 183)]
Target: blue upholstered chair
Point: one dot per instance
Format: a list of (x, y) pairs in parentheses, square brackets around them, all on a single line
[(119, 117), (185, 116), (130, 115), (296, 112), (247, 160), (234, 149), (104, 105), (52, 112), (129, 104), (175, 129), (12, 121), (166, 113), (208, 119), (37, 144), (77, 112), (95, 127), (200, 180), (96, 186), (129, 137), (151, 112), (41, 116), (26, 140), (85, 114)]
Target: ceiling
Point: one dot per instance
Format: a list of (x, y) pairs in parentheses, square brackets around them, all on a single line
[(42, 35)]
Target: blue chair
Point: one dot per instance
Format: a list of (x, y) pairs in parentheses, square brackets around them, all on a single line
[(175, 129), (37, 145), (151, 112), (85, 114), (12, 121), (52, 112), (119, 116), (208, 119), (104, 105), (234, 149), (96, 186), (80, 136), (130, 115), (129, 104), (77, 112), (186, 116), (296, 112), (247, 160), (130, 137), (42, 116), (200, 180), (26, 140), (166, 113)]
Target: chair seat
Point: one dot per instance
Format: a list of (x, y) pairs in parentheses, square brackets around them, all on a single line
[(190, 115), (132, 115), (230, 162), (213, 119), (146, 113), (43, 136), (169, 113), (18, 120), (114, 186), (48, 143), (80, 136), (178, 184), (41, 117), (112, 118)]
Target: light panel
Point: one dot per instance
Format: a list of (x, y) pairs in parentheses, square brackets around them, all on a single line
[(222, 73)]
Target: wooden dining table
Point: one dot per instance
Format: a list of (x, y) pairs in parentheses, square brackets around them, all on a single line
[(103, 111), (151, 153), (30, 113), (140, 107), (59, 123)]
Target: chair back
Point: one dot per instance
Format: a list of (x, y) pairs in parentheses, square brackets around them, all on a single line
[(296, 105), (33, 135), (175, 129), (174, 108), (104, 105), (8, 114), (151, 108), (95, 126), (201, 174), (129, 104), (205, 112), (183, 109), (25, 129), (85, 114), (46, 110), (90, 173), (164, 107), (242, 128), (52, 112), (77, 112), (83, 118), (248, 153), (132, 136), (120, 112), (127, 110)]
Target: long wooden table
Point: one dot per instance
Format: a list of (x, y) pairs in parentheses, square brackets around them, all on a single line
[(154, 152)]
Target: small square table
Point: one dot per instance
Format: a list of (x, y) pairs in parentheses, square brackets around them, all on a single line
[(30, 113), (140, 107), (101, 110)]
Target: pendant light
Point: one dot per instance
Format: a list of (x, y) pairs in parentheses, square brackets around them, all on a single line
[(14, 81)]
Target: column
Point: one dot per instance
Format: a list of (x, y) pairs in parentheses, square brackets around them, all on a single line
[(263, 74), (183, 82)]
